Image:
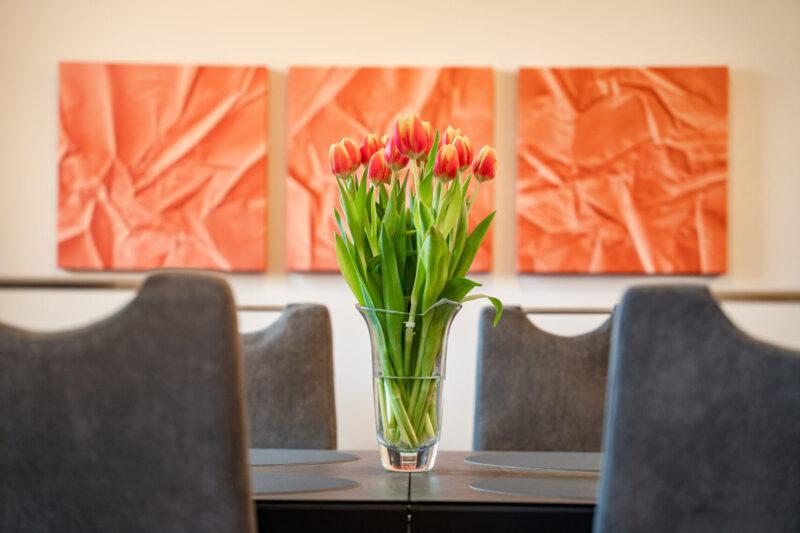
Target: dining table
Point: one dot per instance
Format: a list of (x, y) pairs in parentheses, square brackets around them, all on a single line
[(465, 492)]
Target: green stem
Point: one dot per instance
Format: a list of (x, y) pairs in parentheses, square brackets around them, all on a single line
[(404, 422), (421, 415)]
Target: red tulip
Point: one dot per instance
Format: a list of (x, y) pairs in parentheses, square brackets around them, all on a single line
[(409, 135), (449, 134), (352, 149), (485, 164), (431, 136), (377, 170), (463, 146), (340, 159), (370, 144), (446, 166), (392, 156)]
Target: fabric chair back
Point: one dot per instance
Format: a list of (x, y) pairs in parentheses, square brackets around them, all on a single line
[(703, 421), (134, 423), (289, 381), (537, 391)]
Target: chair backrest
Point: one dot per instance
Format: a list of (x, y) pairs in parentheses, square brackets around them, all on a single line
[(289, 381), (703, 422), (134, 423), (537, 391)]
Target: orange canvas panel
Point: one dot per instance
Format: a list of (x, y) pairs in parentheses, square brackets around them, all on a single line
[(326, 104), (623, 170), (162, 166)]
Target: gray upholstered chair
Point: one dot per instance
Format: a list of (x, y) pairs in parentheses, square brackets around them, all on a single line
[(703, 422), (134, 423), (289, 381), (537, 391)]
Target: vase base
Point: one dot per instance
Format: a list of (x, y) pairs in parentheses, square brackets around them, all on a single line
[(420, 460)]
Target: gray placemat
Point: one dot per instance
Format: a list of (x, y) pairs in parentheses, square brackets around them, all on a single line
[(277, 483), (275, 457), (548, 461), (546, 488)]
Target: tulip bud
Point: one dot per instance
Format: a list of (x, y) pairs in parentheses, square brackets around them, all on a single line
[(446, 166), (353, 151), (485, 164), (463, 146), (409, 135), (392, 156), (450, 133), (340, 160), (431, 136), (377, 170), (370, 144)]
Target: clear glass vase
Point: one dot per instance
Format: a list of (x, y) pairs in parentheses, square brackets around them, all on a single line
[(408, 366)]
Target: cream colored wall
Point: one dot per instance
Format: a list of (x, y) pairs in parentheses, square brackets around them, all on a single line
[(759, 41)]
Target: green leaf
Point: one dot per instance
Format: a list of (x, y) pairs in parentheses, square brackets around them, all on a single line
[(426, 218), (432, 155), (353, 223), (348, 269), (393, 299), (392, 290), (498, 305), (457, 288), (373, 297), (419, 286), (450, 210), (372, 224), (339, 223), (472, 244), (409, 274), (361, 196), (373, 263), (390, 222), (382, 196), (434, 257), (426, 180), (458, 242)]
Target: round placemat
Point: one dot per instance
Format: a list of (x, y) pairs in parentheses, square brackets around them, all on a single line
[(545, 461), (277, 483), (276, 457), (544, 488)]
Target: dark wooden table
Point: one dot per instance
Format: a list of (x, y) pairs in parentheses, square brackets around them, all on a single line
[(437, 501)]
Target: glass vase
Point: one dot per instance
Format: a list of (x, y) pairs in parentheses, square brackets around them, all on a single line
[(408, 366)]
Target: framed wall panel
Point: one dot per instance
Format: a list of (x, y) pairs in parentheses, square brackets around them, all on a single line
[(623, 170), (162, 166)]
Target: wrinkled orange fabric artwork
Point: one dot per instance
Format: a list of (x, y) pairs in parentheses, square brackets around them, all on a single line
[(162, 166), (623, 170), (326, 104)]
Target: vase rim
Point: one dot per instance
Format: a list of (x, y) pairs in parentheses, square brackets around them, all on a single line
[(440, 303)]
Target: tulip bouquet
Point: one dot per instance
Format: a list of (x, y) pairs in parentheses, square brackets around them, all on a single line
[(404, 249)]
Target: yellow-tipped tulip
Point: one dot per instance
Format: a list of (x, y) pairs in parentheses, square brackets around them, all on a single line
[(446, 165), (449, 134), (377, 171), (485, 165), (409, 135), (341, 162), (392, 156), (463, 146), (370, 144), (431, 136), (355, 153)]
